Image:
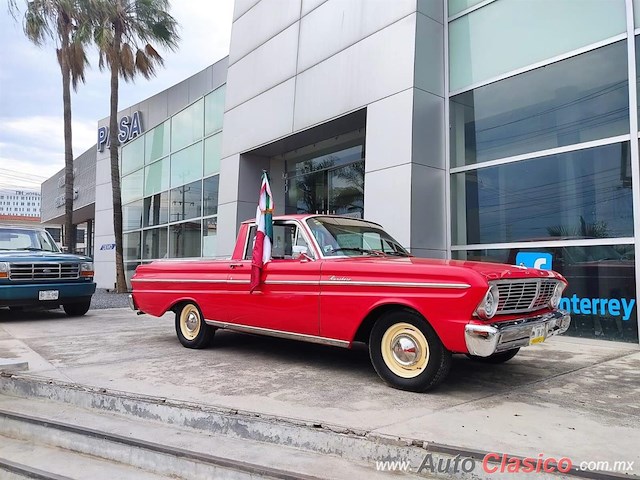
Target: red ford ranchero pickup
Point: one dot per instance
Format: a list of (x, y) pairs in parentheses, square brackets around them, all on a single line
[(338, 280)]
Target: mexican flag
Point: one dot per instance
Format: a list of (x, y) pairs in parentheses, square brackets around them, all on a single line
[(264, 232)]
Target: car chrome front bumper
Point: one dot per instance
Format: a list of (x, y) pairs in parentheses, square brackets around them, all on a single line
[(132, 303), (485, 340)]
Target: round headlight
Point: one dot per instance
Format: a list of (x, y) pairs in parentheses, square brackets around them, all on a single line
[(554, 301), (489, 305)]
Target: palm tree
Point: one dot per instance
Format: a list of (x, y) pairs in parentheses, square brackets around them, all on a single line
[(65, 23), (124, 31)]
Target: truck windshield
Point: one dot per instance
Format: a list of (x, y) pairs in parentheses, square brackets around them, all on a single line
[(28, 240), (339, 236)]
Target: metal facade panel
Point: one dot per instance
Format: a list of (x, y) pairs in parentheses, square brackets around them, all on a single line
[(374, 68), (262, 22), (338, 24), (265, 67), (260, 120)]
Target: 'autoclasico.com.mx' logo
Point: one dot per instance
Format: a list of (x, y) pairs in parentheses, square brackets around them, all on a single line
[(611, 307)]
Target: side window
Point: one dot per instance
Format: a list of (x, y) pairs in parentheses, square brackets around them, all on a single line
[(284, 238), (248, 255)]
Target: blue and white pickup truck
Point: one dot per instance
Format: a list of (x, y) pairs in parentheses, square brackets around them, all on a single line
[(35, 273)]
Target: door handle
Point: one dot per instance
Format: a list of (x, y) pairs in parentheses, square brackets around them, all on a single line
[(236, 265)]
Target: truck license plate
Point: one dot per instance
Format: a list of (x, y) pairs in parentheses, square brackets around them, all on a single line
[(537, 334), (48, 295)]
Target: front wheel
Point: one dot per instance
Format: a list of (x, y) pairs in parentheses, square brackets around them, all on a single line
[(192, 331), (76, 309), (407, 353), (496, 358)]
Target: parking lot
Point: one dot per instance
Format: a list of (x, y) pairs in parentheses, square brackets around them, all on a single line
[(568, 397)]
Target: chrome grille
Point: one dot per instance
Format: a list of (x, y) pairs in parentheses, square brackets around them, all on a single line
[(517, 296), (44, 271)]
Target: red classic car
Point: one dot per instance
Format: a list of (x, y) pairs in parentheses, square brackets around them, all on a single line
[(338, 280)]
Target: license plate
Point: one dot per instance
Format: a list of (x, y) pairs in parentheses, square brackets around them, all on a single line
[(48, 295), (537, 334)]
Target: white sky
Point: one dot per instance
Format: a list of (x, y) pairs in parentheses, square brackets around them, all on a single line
[(31, 130)]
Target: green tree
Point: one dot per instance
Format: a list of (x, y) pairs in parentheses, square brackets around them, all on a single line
[(65, 23), (125, 32)]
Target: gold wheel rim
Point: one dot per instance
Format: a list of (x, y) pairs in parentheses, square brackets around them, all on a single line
[(190, 322), (405, 350)]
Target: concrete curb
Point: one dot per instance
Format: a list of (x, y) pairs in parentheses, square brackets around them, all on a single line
[(356, 445)]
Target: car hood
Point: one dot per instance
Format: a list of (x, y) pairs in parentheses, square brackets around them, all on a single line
[(40, 256), (490, 271)]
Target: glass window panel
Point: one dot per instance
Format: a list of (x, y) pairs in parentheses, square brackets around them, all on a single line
[(155, 243), (214, 110), (346, 190), (581, 194), (457, 6), (131, 246), (602, 286), (209, 237), (636, 13), (156, 209), (157, 142), (211, 195), (132, 216), (132, 155), (187, 126), (186, 165), (156, 177), (131, 187), (507, 35), (185, 239), (576, 100), (212, 154), (129, 270), (186, 202)]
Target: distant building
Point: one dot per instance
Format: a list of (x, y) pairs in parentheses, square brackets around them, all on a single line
[(19, 203)]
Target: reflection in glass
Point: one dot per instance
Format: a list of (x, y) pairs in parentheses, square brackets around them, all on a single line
[(129, 270), (185, 239), (580, 194), (529, 31), (186, 202), (576, 100), (157, 142), (212, 154), (132, 215), (209, 236), (211, 195), (131, 246), (601, 291), (187, 126), (156, 209), (214, 110), (155, 243), (186, 165), (131, 187), (346, 190), (156, 177), (132, 155)]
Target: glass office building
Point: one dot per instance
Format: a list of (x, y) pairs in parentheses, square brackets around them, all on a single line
[(494, 130)]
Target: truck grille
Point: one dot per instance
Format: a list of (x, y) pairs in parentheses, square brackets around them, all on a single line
[(517, 296), (44, 271)]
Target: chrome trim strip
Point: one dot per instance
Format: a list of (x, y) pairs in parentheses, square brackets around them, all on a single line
[(314, 282), (278, 333)]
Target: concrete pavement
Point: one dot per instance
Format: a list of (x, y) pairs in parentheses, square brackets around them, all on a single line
[(565, 398)]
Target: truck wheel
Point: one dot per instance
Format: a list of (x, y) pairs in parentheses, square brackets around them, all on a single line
[(76, 309), (407, 353), (192, 331), (499, 357)]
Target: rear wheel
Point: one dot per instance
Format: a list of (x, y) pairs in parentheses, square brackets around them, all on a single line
[(76, 309), (407, 353), (499, 357), (192, 331)]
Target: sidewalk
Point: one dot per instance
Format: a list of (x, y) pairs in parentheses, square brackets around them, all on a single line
[(565, 398)]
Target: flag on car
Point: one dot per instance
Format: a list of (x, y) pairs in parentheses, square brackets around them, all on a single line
[(264, 232)]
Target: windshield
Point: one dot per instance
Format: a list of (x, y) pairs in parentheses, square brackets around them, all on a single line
[(352, 237), (24, 239)]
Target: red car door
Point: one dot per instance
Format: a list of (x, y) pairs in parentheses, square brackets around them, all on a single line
[(288, 299)]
